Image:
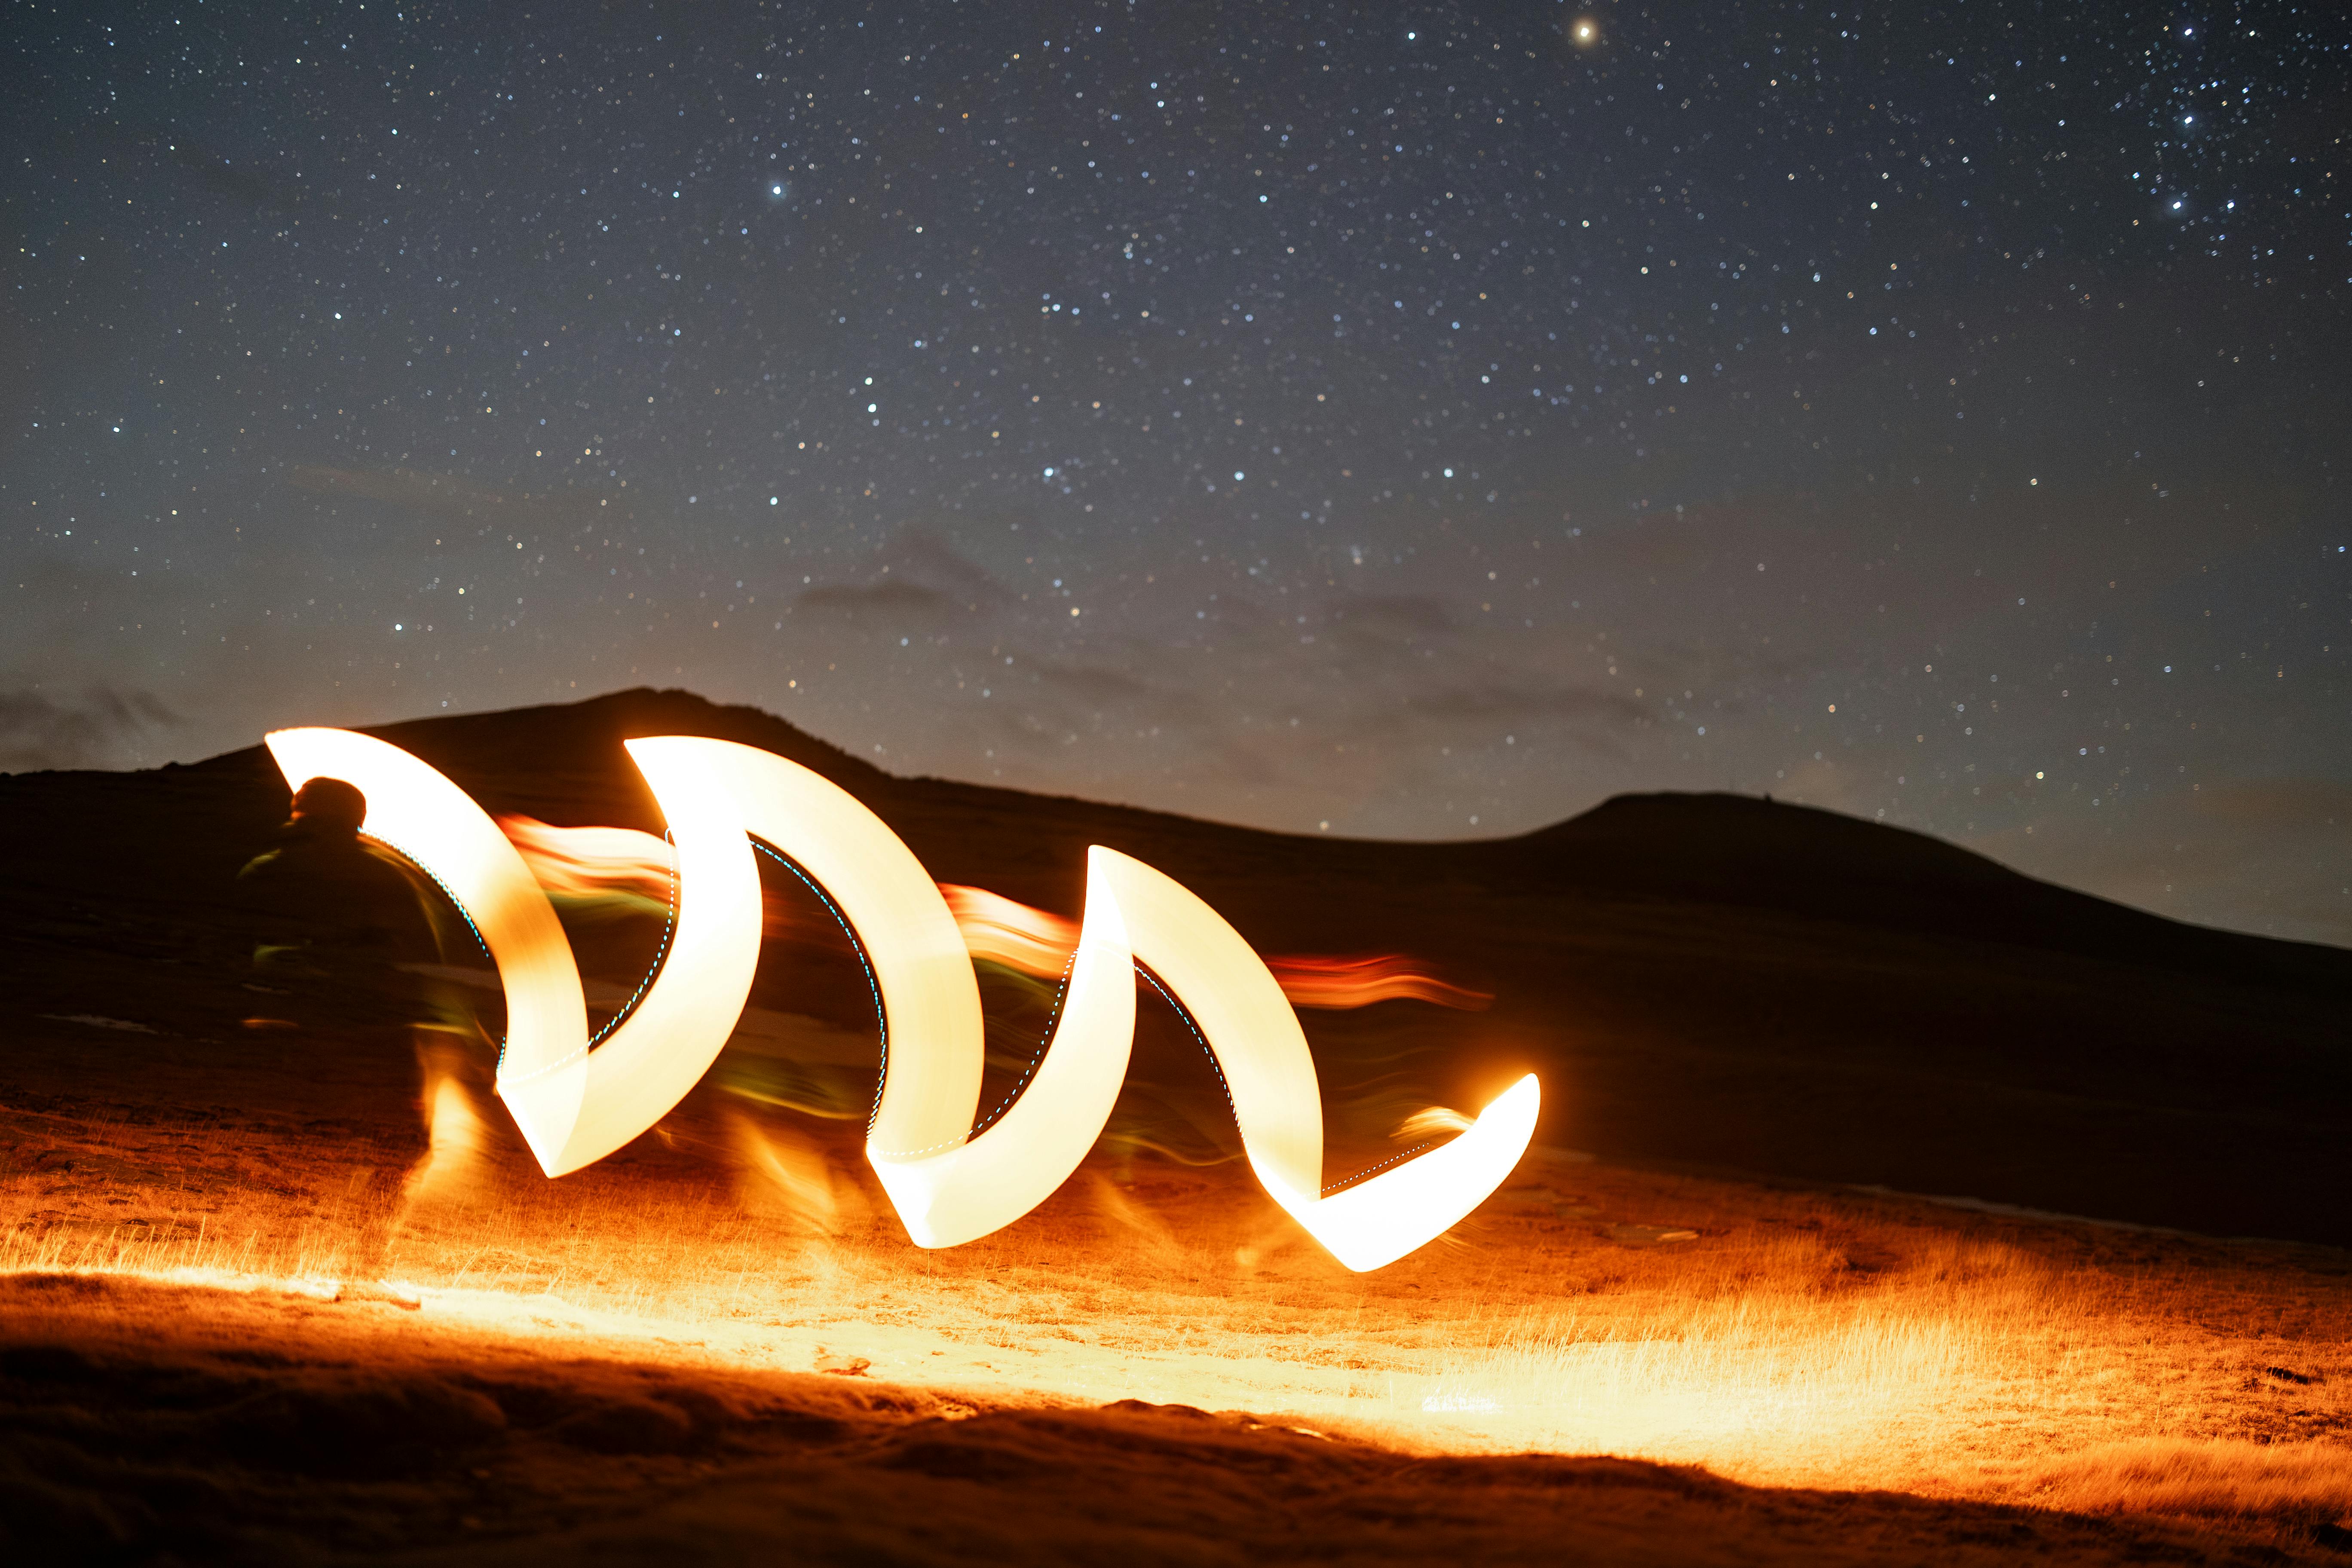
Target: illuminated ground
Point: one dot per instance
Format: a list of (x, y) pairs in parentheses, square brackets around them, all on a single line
[(647, 1336)]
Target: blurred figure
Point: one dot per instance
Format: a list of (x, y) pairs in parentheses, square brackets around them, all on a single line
[(327, 905), (325, 895), (455, 1165)]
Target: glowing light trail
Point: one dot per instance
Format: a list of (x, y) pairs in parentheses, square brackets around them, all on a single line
[(575, 1105), (1005, 932), (1311, 981), (594, 864)]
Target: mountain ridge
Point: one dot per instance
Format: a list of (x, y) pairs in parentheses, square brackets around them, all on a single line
[(1711, 846)]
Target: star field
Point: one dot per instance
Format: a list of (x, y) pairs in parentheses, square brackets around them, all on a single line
[(1418, 424)]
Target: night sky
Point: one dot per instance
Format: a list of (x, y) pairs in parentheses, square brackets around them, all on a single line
[(1416, 422)]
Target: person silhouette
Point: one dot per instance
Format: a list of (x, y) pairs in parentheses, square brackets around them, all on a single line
[(326, 895), (343, 919), (355, 944)]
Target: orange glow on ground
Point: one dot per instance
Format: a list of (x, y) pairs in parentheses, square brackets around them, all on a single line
[(1799, 1338)]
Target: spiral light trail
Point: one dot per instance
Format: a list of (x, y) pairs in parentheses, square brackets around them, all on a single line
[(575, 1105)]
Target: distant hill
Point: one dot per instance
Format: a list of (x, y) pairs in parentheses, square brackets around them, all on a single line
[(1737, 850), (1705, 980)]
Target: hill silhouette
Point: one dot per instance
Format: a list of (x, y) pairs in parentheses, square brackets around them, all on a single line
[(1706, 981)]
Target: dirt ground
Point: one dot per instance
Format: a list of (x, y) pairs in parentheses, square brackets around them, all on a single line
[(295, 1337), (262, 1428)]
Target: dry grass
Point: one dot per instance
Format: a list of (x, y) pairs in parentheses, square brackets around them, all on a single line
[(1799, 1338), (1774, 1361), (2303, 1483)]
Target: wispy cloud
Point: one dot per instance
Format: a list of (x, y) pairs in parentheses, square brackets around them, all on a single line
[(38, 732)]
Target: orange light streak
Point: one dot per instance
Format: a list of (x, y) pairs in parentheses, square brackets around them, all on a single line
[(593, 862), (1007, 931), (455, 1147), (1358, 982), (1038, 941)]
